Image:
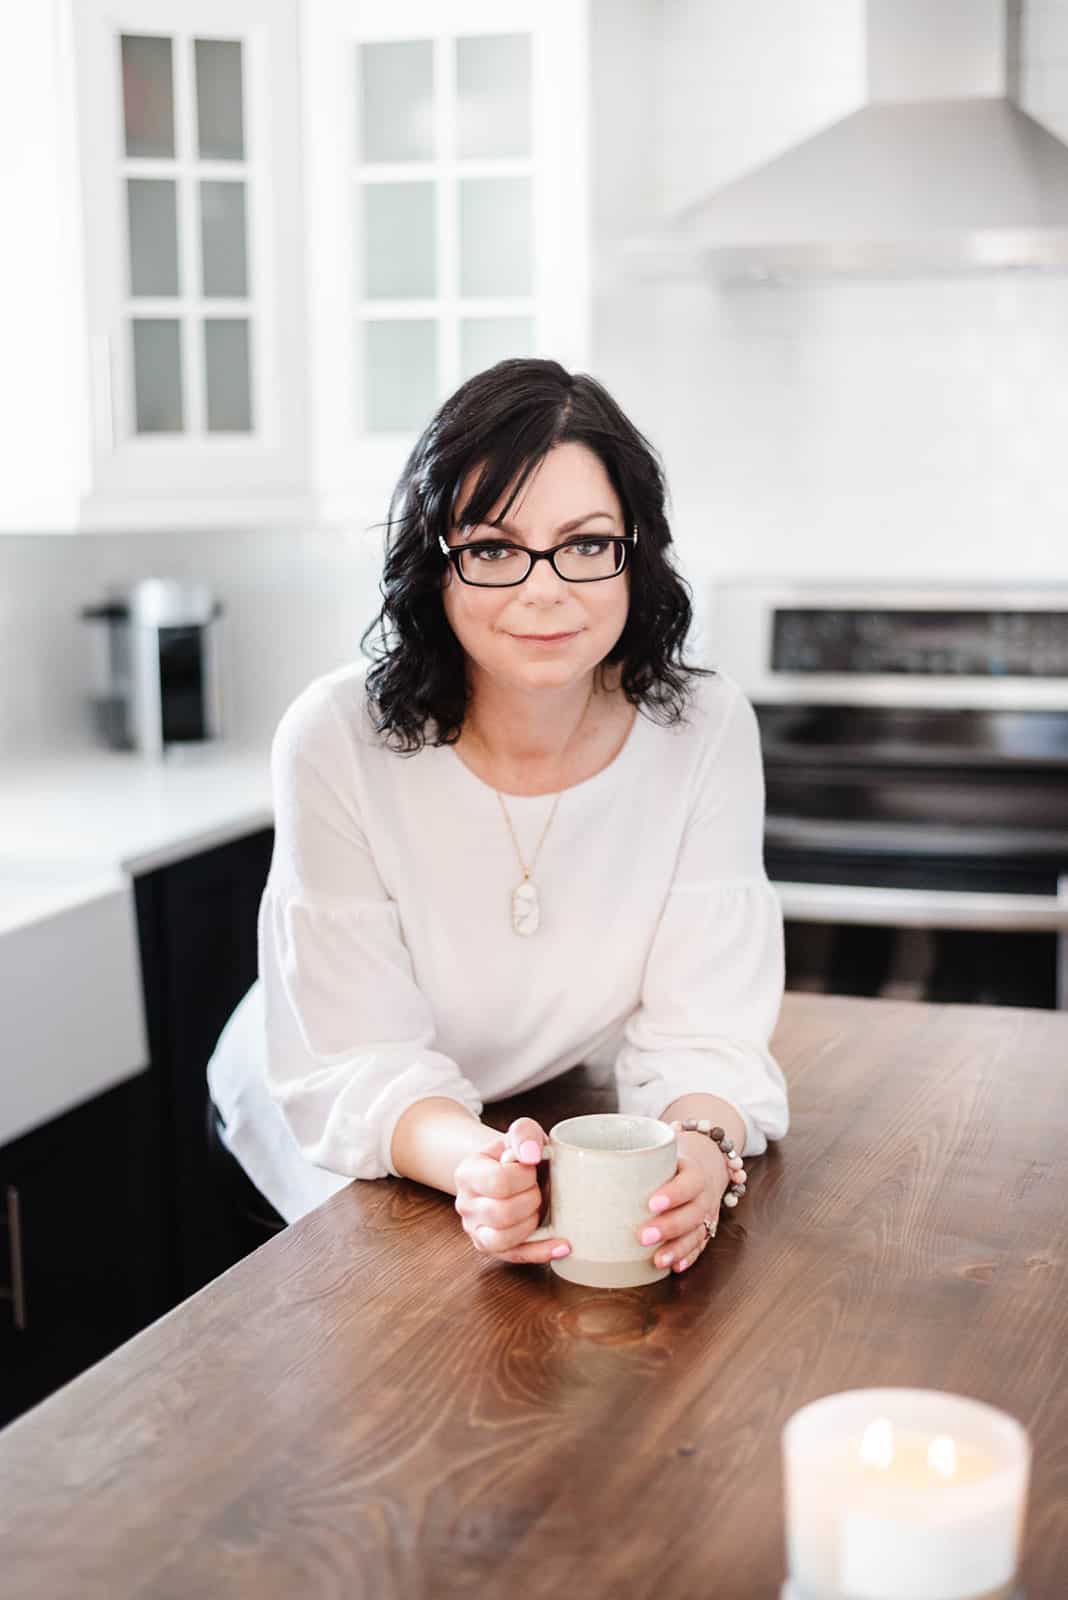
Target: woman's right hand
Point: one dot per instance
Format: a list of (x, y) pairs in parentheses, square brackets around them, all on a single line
[(499, 1201)]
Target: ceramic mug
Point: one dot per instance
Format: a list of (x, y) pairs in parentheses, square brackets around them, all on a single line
[(603, 1171)]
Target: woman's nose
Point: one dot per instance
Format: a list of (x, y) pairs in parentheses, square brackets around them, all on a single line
[(544, 582)]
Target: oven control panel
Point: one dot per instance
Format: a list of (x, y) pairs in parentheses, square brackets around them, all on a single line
[(974, 643)]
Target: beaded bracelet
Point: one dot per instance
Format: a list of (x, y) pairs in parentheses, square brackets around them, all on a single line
[(737, 1172)]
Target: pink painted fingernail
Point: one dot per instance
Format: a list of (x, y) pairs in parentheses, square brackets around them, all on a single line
[(659, 1202), (651, 1236), (664, 1259), (559, 1250), (683, 1264), (530, 1151)]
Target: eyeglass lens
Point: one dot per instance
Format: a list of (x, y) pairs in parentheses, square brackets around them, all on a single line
[(585, 560)]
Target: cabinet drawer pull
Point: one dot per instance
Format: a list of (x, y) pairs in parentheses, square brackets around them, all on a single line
[(17, 1292)]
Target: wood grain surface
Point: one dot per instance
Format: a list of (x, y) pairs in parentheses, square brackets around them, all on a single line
[(364, 1408)]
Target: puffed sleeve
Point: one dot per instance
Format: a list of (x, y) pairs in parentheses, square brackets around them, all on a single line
[(713, 982), (350, 1037)]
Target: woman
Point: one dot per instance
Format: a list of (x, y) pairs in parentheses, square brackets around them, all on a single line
[(528, 836)]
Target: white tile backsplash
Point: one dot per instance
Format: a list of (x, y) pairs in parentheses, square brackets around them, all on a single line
[(295, 606), (903, 429)]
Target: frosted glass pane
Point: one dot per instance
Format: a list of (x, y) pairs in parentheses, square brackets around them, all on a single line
[(496, 236), (226, 375), (493, 95), (224, 264), (400, 375), (151, 208), (157, 361), (220, 100), (486, 340), (396, 98), (399, 241), (147, 95)]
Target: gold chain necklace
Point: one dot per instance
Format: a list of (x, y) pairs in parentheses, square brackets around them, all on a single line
[(526, 907)]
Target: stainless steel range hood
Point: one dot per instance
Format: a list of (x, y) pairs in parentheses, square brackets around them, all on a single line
[(905, 185)]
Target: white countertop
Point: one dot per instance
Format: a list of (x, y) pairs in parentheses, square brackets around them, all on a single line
[(116, 810)]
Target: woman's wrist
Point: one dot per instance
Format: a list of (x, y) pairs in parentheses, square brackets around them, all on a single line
[(432, 1137), (709, 1108), (700, 1148)]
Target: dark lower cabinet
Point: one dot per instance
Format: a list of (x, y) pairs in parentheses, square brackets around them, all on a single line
[(197, 930), (116, 1211), (81, 1267)]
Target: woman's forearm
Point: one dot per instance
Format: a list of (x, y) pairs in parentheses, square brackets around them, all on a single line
[(432, 1137), (720, 1112)]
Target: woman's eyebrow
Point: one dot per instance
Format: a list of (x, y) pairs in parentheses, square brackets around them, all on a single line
[(565, 527)]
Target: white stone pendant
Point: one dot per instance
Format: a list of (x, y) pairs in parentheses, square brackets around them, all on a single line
[(526, 913)]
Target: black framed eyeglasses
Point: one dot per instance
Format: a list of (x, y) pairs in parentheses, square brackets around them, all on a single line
[(500, 564)]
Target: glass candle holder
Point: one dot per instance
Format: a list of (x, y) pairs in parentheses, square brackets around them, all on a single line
[(903, 1494)]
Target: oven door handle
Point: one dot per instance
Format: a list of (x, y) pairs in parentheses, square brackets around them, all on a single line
[(925, 908)]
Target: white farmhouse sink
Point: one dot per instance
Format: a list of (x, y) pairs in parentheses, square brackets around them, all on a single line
[(71, 1009)]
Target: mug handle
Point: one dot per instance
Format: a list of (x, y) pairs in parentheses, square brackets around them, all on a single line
[(545, 1231)]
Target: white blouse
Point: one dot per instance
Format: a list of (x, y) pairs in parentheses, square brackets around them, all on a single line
[(389, 970)]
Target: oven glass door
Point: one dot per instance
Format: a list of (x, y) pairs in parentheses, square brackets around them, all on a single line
[(994, 967), (937, 931)]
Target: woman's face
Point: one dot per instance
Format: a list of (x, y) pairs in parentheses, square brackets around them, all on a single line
[(544, 633)]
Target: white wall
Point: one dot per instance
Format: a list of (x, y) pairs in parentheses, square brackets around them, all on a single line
[(739, 83), (1044, 64), (43, 443)]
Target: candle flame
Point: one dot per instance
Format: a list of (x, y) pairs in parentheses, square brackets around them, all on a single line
[(877, 1444), (942, 1456)]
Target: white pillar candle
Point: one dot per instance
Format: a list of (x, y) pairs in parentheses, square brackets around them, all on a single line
[(903, 1494)]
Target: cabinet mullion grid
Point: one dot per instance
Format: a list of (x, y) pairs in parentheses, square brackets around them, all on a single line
[(191, 307), (448, 220), (488, 167), (193, 397)]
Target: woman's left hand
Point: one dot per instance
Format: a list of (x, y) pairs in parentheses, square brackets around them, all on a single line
[(677, 1209)]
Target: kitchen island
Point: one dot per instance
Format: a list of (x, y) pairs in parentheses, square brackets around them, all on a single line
[(364, 1407)]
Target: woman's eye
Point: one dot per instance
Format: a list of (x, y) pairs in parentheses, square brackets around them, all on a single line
[(591, 547), (493, 552)]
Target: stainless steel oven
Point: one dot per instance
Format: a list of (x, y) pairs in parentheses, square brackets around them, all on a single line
[(916, 759)]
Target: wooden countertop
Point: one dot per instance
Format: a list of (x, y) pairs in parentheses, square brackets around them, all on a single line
[(366, 1408)]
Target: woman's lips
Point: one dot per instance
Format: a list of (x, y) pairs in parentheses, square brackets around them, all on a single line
[(544, 638)]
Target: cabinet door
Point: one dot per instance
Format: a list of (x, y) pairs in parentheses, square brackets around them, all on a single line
[(80, 1241), (448, 213), (189, 135), (197, 925)]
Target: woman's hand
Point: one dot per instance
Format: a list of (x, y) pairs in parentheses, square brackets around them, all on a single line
[(500, 1202), (678, 1208)]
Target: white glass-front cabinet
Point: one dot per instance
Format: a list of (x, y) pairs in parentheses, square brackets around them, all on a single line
[(190, 167), (448, 214)]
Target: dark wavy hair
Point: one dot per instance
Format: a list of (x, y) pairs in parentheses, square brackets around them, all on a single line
[(507, 419)]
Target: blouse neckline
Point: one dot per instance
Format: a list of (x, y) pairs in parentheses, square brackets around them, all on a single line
[(622, 758)]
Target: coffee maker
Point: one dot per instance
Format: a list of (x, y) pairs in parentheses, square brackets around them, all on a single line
[(156, 666)]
